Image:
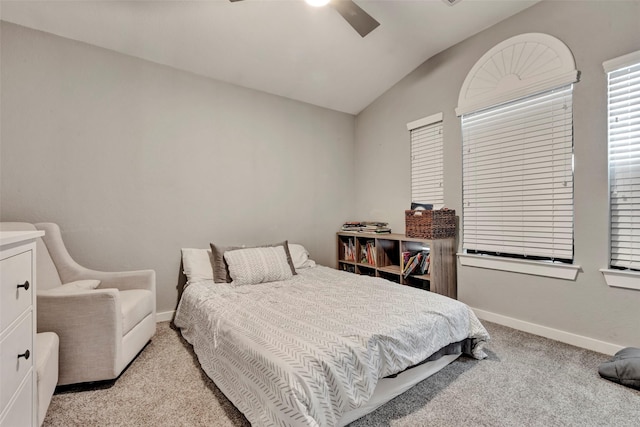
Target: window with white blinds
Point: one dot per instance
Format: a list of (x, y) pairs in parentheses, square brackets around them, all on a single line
[(427, 160), (518, 178), (624, 165)]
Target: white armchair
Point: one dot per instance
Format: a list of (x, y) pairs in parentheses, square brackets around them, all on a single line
[(101, 330)]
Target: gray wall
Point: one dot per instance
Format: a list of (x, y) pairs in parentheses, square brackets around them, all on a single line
[(136, 160), (595, 32)]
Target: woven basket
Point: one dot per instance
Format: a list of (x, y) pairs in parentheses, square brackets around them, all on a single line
[(430, 224)]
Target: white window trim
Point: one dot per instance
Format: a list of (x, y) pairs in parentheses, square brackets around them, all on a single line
[(621, 62), (516, 265), (621, 278), (425, 121)]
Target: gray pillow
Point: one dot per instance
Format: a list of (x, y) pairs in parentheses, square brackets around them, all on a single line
[(218, 263), (221, 269), (623, 368)]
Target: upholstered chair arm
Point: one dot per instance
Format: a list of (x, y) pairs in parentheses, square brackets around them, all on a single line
[(69, 270), (122, 280), (89, 325)]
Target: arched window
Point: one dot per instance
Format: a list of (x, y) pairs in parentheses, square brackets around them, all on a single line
[(517, 130)]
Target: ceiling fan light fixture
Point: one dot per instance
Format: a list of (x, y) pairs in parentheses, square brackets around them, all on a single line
[(317, 3), (359, 20)]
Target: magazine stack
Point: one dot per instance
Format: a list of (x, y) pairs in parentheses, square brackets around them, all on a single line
[(366, 226)]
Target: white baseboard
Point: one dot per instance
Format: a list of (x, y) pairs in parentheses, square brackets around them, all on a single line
[(165, 316), (554, 334)]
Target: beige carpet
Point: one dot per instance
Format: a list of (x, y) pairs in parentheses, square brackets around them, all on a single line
[(526, 381)]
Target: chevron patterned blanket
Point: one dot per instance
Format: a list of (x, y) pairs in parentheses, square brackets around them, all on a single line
[(302, 352)]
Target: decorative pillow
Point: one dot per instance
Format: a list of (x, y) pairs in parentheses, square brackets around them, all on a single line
[(220, 268), (196, 264), (623, 368), (258, 265), (72, 287), (300, 256)]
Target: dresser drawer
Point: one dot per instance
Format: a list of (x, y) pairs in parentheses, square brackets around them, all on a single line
[(20, 413), (15, 271), (13, 369)]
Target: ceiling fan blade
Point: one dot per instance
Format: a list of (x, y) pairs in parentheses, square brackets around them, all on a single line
[(360, 20)]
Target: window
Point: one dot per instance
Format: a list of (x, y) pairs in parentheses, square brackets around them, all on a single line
[(517, 129), (518, 178), (427, 160), (624, 160)]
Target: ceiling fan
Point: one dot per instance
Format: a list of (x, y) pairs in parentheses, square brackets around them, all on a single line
[(360, 20)]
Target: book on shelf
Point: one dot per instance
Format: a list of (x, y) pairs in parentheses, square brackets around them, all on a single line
[(425, 264), (415, 263), (404, 260), (381, 230), (369, 253), (412, 264), (349, 250)]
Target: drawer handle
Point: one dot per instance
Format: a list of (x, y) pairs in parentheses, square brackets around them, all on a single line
[(26, 355), (25, 285)]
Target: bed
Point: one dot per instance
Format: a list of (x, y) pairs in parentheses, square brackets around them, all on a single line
[(322, 347)]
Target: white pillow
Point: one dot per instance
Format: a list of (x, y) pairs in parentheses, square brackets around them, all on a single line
[(196, 264), (258, 265), (72, 287), (300, 256)]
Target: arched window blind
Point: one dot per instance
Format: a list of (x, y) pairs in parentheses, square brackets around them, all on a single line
[(518, 178), (624, 163), (427, 160)]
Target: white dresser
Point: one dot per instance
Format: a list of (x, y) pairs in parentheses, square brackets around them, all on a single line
[(18, 328)]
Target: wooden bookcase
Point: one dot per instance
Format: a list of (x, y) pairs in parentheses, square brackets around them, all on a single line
[(385, 260)]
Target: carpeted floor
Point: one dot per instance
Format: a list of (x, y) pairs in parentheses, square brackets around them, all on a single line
[(526, 381)]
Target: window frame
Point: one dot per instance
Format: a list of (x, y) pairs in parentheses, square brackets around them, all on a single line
[(518, 178), (513, 69), (617, 277), (434, 121)]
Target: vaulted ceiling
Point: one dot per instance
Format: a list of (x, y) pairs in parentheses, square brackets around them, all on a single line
[(283, 47)]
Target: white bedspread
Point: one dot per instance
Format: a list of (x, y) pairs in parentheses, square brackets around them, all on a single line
[(302, 352)]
